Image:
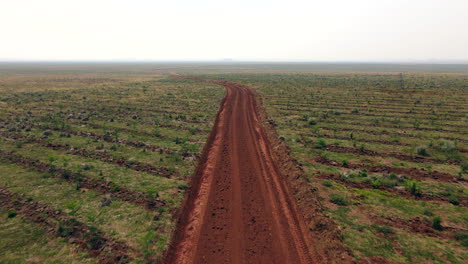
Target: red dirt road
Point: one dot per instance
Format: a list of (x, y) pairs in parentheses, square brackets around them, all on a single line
[(239, 208)]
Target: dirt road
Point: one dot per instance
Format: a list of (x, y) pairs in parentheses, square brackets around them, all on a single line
[(239, 208)]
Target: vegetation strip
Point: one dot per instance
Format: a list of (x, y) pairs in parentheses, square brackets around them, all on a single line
[(425, 117), (120, 161), (410, 194), (131, 131), (88, 238), (400, 134), (416, 225), (400, 156), (83, 181), (344, 122), (382, 108), (414, 173), (110, 139), (377, 141)]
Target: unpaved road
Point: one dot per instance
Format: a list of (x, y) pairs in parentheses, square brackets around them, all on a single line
[(239, 208)]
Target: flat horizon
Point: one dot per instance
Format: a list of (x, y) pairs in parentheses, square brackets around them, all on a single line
[(421, 62)]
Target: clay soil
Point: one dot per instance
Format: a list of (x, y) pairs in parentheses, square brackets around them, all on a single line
[(240, 208)]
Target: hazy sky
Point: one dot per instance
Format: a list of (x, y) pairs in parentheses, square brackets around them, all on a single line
[(293, 30)]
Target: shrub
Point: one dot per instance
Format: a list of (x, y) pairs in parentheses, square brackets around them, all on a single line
[(462, 237), (386, 182), (323, 155), (114, 187), (19, 144), (345, 163), (362, 147), (449, 149), (156, 131), (51, 159), (46, 175), (414, 189), (464, 167), (183, 186), (422, 150), (94, 239), (446, 145), (386, 230), (338, 199), (437, 223), (66, 174), (428, 212), (327, 183), (87, 167), (453, 199), (11, 214), (66, 228), (355, 111), (320, 143), (363, 173), (312, 122)]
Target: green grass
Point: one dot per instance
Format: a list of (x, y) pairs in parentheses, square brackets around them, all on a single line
[(26, 242)]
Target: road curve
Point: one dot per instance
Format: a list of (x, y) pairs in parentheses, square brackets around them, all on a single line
[(239, 208)]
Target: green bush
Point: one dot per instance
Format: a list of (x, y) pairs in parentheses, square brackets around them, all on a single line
[(312, 122), (94, 239), (437, 223), (386, 230), (362, 147), (422, 150), (464, 167), (65, 229), (428, 212), (385, 182), (345, 163), (338, 199), (462, 237), (414, 189), (183, 186), (320, 143), (446, 146), (46, 175), (449, 149), (66, 174), (327, 183), (453, 199), (11, 214)]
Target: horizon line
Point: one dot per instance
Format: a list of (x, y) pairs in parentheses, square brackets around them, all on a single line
[(233, 61)]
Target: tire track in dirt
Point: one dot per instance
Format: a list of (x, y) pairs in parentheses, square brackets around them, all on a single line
[(239, 208)]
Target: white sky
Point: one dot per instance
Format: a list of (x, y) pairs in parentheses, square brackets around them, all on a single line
[(293, 30)]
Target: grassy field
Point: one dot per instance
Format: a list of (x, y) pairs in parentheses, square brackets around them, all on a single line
[(95, 160), (111, 150), (387, 152)]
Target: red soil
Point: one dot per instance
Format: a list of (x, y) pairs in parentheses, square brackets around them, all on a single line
[(239, 208)]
